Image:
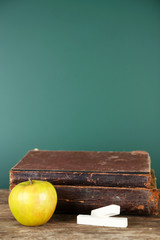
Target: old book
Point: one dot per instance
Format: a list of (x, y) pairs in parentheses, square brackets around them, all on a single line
[(83, 199), (110, 169), (147, 180), (88, 180)]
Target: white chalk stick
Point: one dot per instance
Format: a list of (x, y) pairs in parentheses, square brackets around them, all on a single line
[(110, 210), (102, 221)]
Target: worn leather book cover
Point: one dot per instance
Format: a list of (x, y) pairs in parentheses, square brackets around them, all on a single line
[(110, 169), (86, 180), (146, 180), (134, 201)]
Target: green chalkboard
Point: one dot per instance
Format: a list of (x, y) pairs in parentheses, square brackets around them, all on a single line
[(79, 75)]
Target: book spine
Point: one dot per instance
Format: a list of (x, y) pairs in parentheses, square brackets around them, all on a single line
[(140, 201), (85, 178), (83, 199)]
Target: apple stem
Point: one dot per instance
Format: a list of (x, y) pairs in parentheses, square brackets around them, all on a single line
[(30, 181)]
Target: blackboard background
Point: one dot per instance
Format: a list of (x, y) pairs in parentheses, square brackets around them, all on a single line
[(79, 75)]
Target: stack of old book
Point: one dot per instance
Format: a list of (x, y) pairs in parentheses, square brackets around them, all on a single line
[(87, 180)]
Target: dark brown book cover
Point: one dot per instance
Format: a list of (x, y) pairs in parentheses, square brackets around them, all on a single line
[(137, 201), (110, 169), (80, 161), (83, 199), (86, 178)]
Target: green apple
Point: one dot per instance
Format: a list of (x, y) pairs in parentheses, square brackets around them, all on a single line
[(33, 202)]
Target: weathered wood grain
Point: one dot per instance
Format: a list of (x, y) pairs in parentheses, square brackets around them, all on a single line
[(4, 196), (64, 227)]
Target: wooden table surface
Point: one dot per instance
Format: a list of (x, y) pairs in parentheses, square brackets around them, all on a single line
[(65, 227)]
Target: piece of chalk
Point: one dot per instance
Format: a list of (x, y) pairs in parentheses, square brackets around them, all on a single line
[(102, 221), (110, 210)]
